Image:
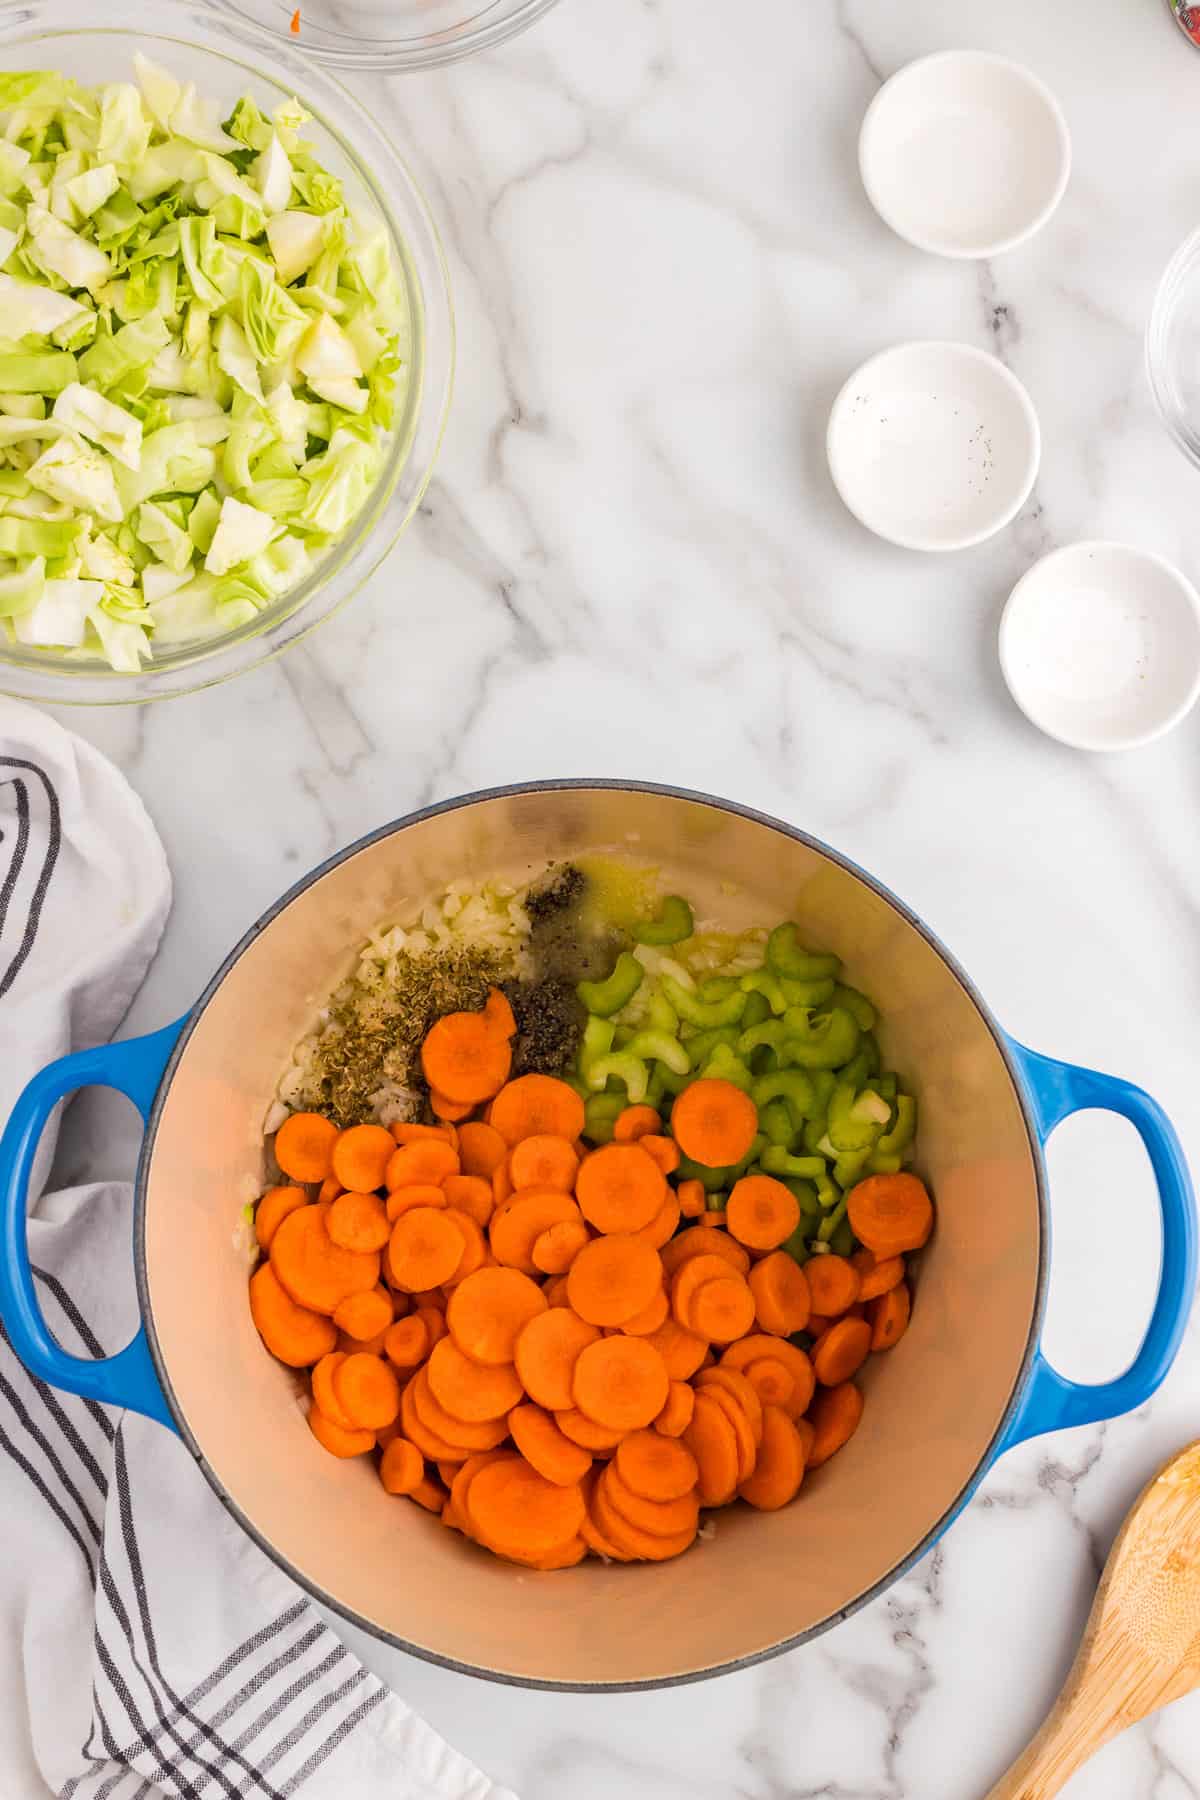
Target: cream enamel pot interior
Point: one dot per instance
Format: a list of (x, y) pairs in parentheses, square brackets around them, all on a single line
[(967, 1381)]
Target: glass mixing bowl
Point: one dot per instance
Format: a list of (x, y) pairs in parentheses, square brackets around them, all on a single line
[(391, 34), (1173, 347), (225, 57)]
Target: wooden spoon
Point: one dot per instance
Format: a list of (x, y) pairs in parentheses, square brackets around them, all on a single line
[(1141, 1648)]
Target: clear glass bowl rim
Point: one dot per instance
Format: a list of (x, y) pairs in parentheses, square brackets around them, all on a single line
[(1184, 263), (492, 23), (201, 29)]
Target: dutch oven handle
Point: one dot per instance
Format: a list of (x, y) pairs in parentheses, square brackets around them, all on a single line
[(135, 1069), (1055, 1090)]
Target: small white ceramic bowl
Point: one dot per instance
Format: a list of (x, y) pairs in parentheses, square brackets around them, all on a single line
[(1100, 646), (933, 446), (964, 154)]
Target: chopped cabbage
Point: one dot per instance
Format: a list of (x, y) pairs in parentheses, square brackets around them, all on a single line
[(201, 353)]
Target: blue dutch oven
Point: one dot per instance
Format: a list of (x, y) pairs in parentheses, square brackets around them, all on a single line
[(966, 1383)]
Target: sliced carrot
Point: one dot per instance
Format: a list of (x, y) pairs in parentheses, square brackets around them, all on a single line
[(782, 1302), (470, 1194), (772, 1381), (692, 1202), (688, 1280), (807, 1433), (712, 1441), (434, 1321), (360, 1156), (329, 1190), (714, 1122), (736, 1384), (519, 1514), (474, 1244), (888, 1213), (555, 1289), (586, 1432), (431, 1495), (651, 1318), (426, 1163), (448, 1110), (630, 1541), (842, 1351), (464, 1435), (365, 1315), (681, 1350), (546, 1352), (711, 1220), (315, 1271), (621, 1382), (620, 1188), (779, 1469), (662, 1150), (612, 1279), (661, 1518), (273, 1208), (516, 1226), (541, 1443), (889, 1317), (366, 1390), (480, 1149), (761, 1213), (499, 1014), (324, 1395), (835, 1415), (489, 1310), (406, 1343), (425, 1249), (304, 1146), (746, 1356), (598, 1544), (833, 1284), (655, 1466), (722, 1310), (407, 1133), (465, 1057), (534, 1105), (662, 1226), (695, 1241), (676, 1415), (471, 1391), (877, 1277), (502, 1187), (432, 1447), (401, 1466), (543, 1161), (634, 1123), (358, 1222), (555, 1249), (331, 1437), (404, 1199), (467, 1471), (747, 1449)]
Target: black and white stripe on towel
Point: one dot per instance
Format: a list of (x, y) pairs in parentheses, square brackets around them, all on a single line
[(266, 1716)]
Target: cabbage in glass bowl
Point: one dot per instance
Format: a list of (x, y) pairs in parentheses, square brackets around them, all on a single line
[(210, 367)]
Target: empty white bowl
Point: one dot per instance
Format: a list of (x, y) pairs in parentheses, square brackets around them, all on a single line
[(964, 154), (1100, 645), (933, 446)]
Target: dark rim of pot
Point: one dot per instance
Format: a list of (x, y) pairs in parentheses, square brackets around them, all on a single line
[(800, 837)]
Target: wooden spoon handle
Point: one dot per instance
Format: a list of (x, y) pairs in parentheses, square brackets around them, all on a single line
[(1062, 1746)]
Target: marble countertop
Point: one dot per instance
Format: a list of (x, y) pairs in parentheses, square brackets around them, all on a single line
[(631, 562)]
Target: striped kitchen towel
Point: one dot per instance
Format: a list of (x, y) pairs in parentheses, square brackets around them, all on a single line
[(150, 1648)]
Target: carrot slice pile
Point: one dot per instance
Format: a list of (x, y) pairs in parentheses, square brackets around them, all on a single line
[(558, 1348)]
